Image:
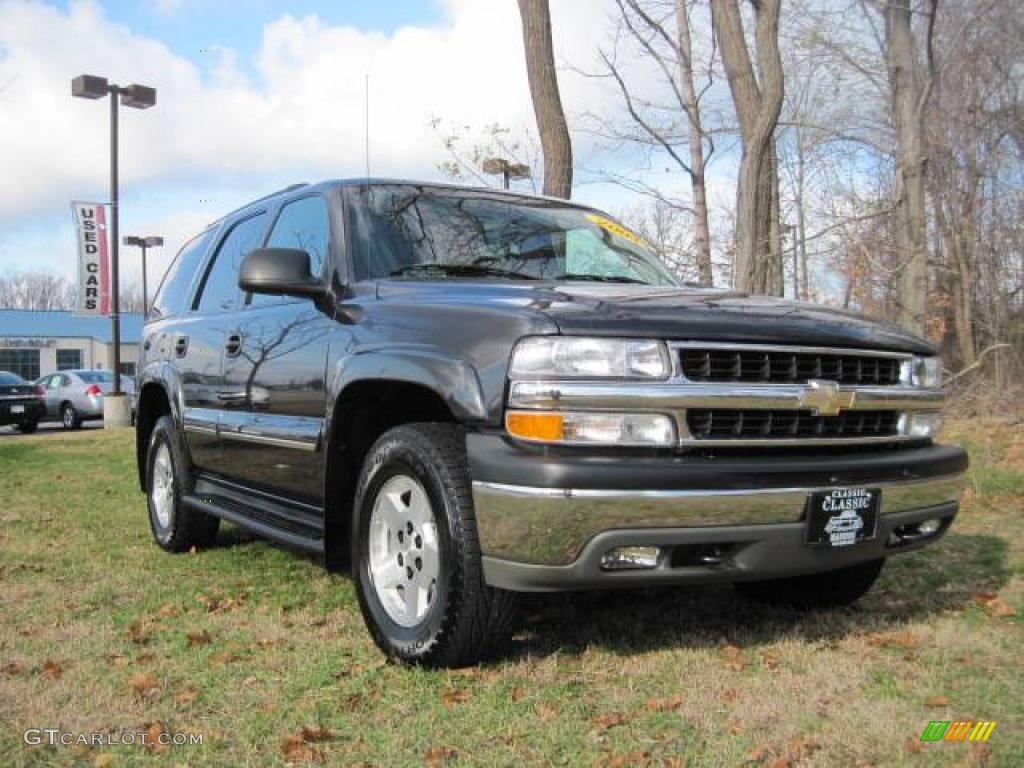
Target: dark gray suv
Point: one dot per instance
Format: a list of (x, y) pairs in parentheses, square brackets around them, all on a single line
[(463, 394)]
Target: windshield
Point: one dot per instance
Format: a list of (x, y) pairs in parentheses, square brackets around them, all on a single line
[(411, 231), (96, 377)]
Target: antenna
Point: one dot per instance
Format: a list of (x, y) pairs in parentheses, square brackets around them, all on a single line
[(367, 127)]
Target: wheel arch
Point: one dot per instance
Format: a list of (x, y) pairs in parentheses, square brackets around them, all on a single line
[(364, 409), (159, 394)]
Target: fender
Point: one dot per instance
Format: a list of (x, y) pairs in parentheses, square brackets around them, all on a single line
[(453, 378), (160, 373)]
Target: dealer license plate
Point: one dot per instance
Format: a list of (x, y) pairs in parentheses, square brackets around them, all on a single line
[(840, 517)]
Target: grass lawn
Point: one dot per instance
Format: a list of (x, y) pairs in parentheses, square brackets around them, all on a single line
[(264, 653)]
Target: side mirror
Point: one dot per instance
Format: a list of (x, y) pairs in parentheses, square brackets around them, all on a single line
[(280, 272)]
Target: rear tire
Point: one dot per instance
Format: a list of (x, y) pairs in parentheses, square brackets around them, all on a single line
[(176, 527), (69, 417), (416, 555), (817, 590)]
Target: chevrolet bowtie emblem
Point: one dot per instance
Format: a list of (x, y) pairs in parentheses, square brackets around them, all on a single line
[(825, 398)]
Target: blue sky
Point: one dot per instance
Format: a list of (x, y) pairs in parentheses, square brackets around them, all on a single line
[(256, 95)]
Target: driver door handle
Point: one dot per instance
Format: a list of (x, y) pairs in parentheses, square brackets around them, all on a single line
[(233, 345)]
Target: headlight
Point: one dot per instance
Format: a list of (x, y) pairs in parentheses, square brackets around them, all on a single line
[(584, 358), (920, 423), (922, 372), (577, 428)]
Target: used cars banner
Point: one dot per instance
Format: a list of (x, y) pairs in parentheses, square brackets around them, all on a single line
[(93, 261)]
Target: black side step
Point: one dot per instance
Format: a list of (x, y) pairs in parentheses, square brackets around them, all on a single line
[(289, 522)]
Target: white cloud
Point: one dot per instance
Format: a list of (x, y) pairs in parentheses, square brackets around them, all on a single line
[(297, 106), (239, 128)]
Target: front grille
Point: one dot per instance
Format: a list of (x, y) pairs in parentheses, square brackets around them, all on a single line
[(729, 424), (782, 367)]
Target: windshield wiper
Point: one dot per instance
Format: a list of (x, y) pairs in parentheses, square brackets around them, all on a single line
[(460, 270), (600, 278)]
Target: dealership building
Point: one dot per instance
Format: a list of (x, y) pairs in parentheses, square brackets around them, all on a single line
[(35, 343)]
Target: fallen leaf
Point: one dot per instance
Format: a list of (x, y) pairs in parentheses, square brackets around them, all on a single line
[(913, 746), (801, 747), (516, 694), (730, 694), (636, 757), (665, 705), (145, 658), (734, 657), (769, 660), (439, 755), (143, 683), (153, 737), (545, 711), (51, 670), (137, 634), (612, 719), (904, 639), (996, 607), (452, 696), (295, 750), (315, 733), (187, 696), (759, 753), (202, 637), (13, 668), (937, 701)]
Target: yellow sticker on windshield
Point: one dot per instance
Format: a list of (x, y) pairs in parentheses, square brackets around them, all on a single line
[(616, 229)]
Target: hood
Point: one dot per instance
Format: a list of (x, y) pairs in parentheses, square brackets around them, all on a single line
[(667, 312), (714, 315)]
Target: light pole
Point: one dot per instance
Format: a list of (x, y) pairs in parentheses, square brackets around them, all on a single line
[(138, 97), (144, 243), (506, 169)]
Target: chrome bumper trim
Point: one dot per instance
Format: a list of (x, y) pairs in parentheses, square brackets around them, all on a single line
[(552, 525)]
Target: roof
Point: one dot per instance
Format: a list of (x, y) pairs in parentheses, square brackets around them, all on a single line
[(22, 323)]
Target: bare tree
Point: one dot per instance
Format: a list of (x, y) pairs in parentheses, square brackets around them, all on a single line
[(36, 290), (547, 102), (910, 85), (659, 31), (757, 97)]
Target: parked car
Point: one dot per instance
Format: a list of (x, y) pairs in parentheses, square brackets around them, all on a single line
[(21, 403), (76, 396), (467, 394)]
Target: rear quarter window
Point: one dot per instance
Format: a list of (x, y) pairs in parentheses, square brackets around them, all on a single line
[(175, 292)]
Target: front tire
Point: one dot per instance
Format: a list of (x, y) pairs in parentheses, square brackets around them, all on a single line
[(817, 590), (175, 526), (416, 555)]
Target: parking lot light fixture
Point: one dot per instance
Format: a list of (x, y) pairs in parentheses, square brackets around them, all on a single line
[(137, 97), (144, 243)]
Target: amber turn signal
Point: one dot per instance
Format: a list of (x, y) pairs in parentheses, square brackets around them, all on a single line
[(546, 427)]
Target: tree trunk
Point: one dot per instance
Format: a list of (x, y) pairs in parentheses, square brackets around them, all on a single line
[(696, 133), (758, 102), (547, 103), (907, 103)]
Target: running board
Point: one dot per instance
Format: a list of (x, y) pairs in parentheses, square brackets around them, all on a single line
[(263, 525)]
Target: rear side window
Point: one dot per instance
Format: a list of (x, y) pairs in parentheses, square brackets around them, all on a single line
[(220, 291), (172, 297)]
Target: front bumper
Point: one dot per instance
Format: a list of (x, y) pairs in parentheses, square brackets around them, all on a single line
[(545, 519)]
